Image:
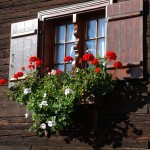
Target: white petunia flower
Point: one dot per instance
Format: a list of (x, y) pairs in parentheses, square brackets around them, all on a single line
[(43, 103), (45, 95), (43, 126), (53, 72), (68, 91), (51, 123), (27, 90), (26, 115)]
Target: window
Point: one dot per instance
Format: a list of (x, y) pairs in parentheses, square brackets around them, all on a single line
[(61, 43), (64, 41), (60, 34), (95, 36)]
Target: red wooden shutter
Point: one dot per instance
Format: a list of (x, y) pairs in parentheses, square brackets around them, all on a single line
[(125, 37), (23, 44)]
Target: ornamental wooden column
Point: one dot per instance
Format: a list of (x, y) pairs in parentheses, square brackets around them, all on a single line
[(77, 42)]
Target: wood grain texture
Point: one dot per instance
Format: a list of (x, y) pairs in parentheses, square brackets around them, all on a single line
[(125, 35), (14, 127)]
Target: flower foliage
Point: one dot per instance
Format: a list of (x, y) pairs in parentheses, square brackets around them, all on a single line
[(53, 98)]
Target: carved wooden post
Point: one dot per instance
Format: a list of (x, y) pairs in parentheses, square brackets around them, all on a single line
[(76, 44)]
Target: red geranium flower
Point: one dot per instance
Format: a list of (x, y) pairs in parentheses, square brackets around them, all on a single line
[(88, 57), (118, 64), (31, 66), (18, 74), (58, 71), (38, 63), (80, 60), (3, 81), (33, 59), (94, 62), (97, 70), (68, 58), (23, 68), (111, 55)]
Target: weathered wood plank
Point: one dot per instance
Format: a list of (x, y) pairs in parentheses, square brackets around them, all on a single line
[(15, 147), (60, 148)]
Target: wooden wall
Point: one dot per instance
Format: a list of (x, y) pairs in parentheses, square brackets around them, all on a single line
[(19, 10), (124, 120)]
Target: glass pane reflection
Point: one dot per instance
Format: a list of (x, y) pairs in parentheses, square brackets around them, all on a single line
[(70, 50), (59, 67), (60, 34), (70, 33), (101, 47), (101, 27), (91, 46), (69, 67), (59, 54), (91, 29)]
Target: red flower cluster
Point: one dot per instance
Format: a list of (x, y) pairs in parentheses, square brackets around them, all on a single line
[(68, 58), (18, 74), (23, 68), (88, 57), (31, 66), (97, 69), (94, 62), (38, 63), (118, 64), (3, 81), (33, 59), (58, 71), (111, 55)]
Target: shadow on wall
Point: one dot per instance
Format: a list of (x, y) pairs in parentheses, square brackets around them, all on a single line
[(113, 118)]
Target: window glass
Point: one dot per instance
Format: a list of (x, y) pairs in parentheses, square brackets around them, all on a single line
[(59, 53), (59, 67), (64, 41), (101, 47), (91, 29), (60, 34), (70, 50), (91, 46), (95, 39), (101, 27), (69, 67), (70, 33)]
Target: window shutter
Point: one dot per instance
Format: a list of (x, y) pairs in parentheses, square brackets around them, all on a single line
[(23, 45), (125, 37)]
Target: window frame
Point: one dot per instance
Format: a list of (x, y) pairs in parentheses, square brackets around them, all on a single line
[(65, 43), (96, 10)]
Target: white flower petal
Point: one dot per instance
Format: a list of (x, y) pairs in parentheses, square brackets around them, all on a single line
[(43, 126), (53, 72), (26, 115), (43, 103), (45, 95), (51, 123), (68, 91), (27, 90)]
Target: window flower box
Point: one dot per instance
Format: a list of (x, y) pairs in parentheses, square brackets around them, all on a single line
[(53, 98)]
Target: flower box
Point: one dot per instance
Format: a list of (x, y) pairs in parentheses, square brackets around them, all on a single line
[(53, 98)]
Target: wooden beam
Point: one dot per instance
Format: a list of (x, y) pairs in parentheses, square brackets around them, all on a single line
[(124, 16)]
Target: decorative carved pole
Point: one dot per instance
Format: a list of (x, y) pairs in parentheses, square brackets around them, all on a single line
[(76, 44)]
